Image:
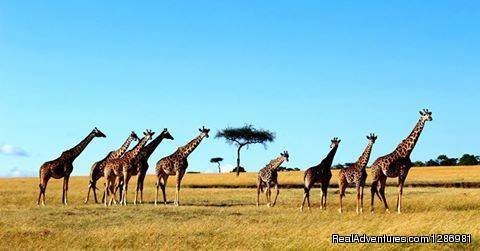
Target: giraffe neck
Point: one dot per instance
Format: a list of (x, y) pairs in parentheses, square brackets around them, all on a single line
[(150, 148), (78, 149), (327, 161), (188, 148), (275, 163), (134, 151), (120, 151), (363, 160), (405, 148)]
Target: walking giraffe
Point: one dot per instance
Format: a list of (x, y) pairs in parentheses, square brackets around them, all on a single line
[(267, 176), (141, 161), (396, 164), (356, 174), (96, 171), (116, 170), (176, 164), (62, 166), (320, 173)]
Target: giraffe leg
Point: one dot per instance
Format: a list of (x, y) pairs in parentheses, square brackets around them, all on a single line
[(399, 198), (95, 192), (258, 192), (163, 186), (179, 181), (65, 189), (361, 199), (104, 196), (141, 181), (267, 194), (141, 190), (340, 196), (126, 179), (358, 199), (157, 185), (374, 191), (383, 181), (88, 193), (106, 192), (276, 195), (43, 188), (138, 188), (324, 195), (306, 197)]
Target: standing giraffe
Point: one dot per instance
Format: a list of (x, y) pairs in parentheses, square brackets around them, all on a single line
[(96, 172), (396, 164), (356, 174), (267, 176), (141, 161), (116, 170), (176, 164), (62, 166), (320, 173)]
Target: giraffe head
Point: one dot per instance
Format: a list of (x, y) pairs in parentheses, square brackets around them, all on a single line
[(204, 130), (166, 134), (98, 133), (148, 134), (285, 155), (335, 142), (372, 137), (134, 136), (426, 115)]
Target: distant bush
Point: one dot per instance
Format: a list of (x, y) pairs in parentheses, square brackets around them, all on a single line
[(418, 163), (431, 163), (241, 170), (468, 160), (287, 169)]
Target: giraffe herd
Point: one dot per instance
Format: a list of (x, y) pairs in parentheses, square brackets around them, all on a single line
[(120, 165)]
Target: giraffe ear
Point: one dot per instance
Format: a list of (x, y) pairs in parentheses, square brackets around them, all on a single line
[(421, 113)]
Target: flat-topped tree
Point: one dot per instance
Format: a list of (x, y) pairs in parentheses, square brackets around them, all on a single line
[(244, 136), (217, 160)]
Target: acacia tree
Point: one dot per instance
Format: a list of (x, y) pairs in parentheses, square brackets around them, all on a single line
[(217, 160), (244, 136)]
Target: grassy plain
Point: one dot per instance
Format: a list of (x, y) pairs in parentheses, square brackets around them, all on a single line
[(224, 218)]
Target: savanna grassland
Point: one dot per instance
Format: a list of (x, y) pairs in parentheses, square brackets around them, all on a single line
[(218, 216)]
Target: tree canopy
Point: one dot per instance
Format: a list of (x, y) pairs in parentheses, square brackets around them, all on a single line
[(245, 135), (216, 160)]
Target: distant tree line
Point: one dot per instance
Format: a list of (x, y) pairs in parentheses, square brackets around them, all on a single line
[(441, 160), (444, 160)]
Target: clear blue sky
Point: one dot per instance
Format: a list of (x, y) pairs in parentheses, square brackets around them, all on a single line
[(307, 71)]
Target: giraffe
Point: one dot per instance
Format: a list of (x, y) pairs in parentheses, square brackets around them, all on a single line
[(176, 164), (396, 164), (267, 176), (116, 170), (320, 173), (356, 174), (62, 166), (141, 161), (96, 171)]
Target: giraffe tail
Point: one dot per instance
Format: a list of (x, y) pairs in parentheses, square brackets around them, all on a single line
[(259, 184), (374, 189)]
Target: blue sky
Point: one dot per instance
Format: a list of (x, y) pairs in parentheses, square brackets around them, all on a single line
[(308, 72)]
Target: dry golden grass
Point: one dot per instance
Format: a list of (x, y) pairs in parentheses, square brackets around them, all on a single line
[(219, 218), (417, 175)]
